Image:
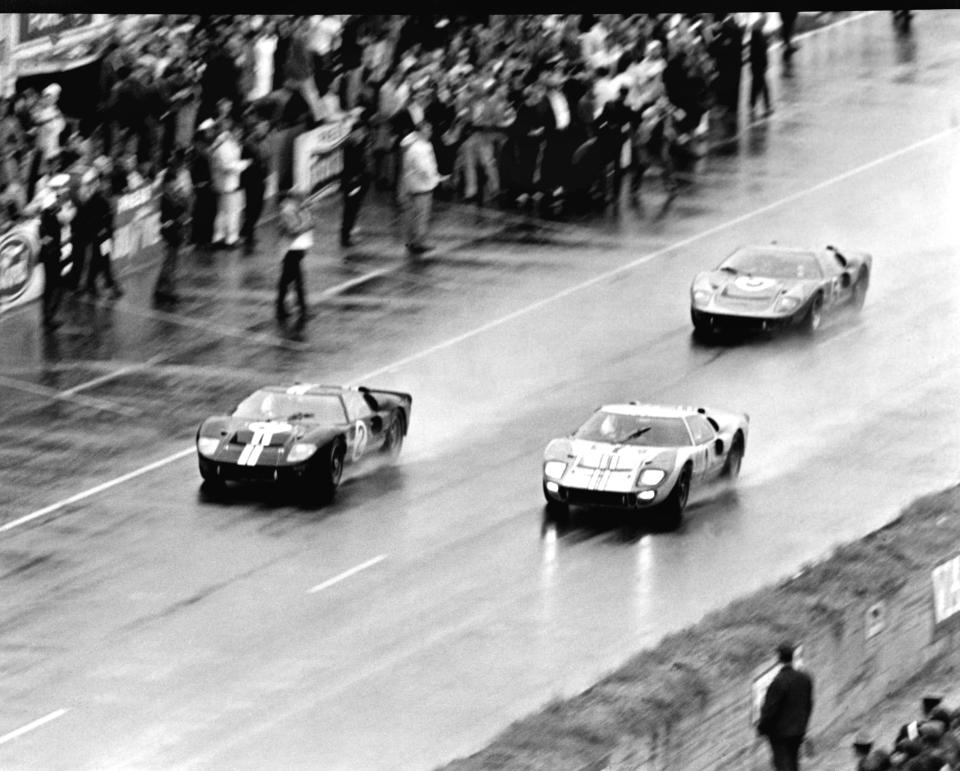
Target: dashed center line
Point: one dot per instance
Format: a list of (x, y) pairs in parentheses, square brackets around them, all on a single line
[(30, 726), (346, 574)]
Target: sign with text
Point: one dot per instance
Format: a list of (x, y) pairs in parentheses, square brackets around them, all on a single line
[(20, 279), (318, 158), (945, 579), (137, 223), (34, 26)]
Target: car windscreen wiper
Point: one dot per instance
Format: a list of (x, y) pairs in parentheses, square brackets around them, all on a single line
[(634, 434), (300, 415), (729, 269)]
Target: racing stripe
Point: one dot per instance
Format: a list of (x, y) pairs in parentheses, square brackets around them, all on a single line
[(254, 455), (245, 454)]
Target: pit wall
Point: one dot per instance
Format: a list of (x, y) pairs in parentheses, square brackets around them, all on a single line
[(864, 616)]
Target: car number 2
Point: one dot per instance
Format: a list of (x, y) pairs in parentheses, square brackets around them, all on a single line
[(360, 440)]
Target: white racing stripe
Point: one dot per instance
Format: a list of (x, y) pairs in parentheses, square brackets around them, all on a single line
[(538, 304), (30, 726), (346, 574)]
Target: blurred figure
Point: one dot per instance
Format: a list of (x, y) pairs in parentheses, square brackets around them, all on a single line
[(100, 217), (355, 179), (787, 21), (726, 48), (786, 711), (81, 230), (50, 232), (204, 198), (418, 179), (226, 167), (253, 180), (758, 66), (296, 228), (174, 215), (862, 744), (911, 730)]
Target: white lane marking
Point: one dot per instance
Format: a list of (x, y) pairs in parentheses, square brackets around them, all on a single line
[(335, 290), (653, 255), (541, 303), (85, 401), (125, 370), (30, 726), (94, 490), (346, 574)]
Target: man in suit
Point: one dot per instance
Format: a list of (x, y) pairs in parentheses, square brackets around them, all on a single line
[(786, 711)]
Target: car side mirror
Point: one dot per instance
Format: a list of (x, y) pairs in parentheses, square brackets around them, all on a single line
[(376, 424), (845, 280), (712, 422), (718, 446)]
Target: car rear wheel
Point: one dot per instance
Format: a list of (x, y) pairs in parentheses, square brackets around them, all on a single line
[(677, 501), (860, 290), (394, 438), (814, 317), (331, 470), (731, 468)]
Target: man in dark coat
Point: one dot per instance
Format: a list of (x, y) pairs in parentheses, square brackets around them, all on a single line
[(758, 66), (100, 217), (727, 51), (253, 180), (204, 199), (50, 243), (174, 213), (356, 174), (786, 711)]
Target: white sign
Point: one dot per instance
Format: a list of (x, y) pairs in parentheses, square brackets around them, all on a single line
[(946, 590), (318, 157), (762, 682)]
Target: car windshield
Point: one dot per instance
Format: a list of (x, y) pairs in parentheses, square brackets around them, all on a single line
[(279, 405), (640, 430), (772, 264)]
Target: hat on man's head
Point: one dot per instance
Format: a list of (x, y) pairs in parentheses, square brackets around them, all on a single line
[(929, 702), (941, 714), (52, 90), (785, 651), (89, 176), (206, 125), (48, 199)]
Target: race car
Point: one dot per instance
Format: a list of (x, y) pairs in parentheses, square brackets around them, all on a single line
[(302, 435), (642, 457), (771, 287)]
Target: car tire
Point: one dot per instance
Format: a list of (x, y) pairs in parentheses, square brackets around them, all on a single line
[(394, 439), (859, 294), (331, 470), (814, 317), (211, 481), (731, 469), (672, 513), (557, 512)]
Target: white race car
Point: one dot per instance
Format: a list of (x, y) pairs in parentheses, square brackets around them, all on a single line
[(642, 456)]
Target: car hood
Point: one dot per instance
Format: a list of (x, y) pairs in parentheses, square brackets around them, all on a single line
[(748, 292), (266, 433), (607, 466)]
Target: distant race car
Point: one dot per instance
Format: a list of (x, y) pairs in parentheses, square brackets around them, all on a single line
[(642, 456), (770, 287), (303, 435)]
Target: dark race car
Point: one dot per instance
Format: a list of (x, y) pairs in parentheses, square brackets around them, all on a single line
[(771, 287), (302, 435)]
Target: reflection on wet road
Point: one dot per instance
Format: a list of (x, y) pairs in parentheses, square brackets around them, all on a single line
[(151, 625)]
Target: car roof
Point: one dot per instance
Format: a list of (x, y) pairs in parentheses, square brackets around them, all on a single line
[(649, 410), (786, 251), (313, 389)]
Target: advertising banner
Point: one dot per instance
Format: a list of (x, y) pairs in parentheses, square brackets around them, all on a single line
[(137, 224), (21, 280), (318, 158), (34, 26)]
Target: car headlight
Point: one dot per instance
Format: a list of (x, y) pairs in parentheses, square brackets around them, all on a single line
[(787, 303), (301, 451), (651, 476), (701, 296), (207, 445), (553, 469)]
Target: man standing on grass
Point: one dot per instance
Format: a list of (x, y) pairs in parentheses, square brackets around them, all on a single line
[(786, 711)]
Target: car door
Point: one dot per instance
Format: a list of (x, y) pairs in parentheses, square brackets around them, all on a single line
[(707, 460), (366, 425)]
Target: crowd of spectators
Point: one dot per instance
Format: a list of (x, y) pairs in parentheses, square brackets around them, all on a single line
[(929, 743), (519, 108)]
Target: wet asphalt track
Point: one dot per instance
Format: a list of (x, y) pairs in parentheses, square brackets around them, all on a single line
[(146, 625)]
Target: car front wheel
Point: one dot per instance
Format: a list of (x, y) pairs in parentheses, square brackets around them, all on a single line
[(677, 501), (814, 317), (558, 512), (331, 470)]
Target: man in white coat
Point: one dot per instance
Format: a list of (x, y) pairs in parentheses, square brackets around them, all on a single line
[(418, 179), (225, 172)]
